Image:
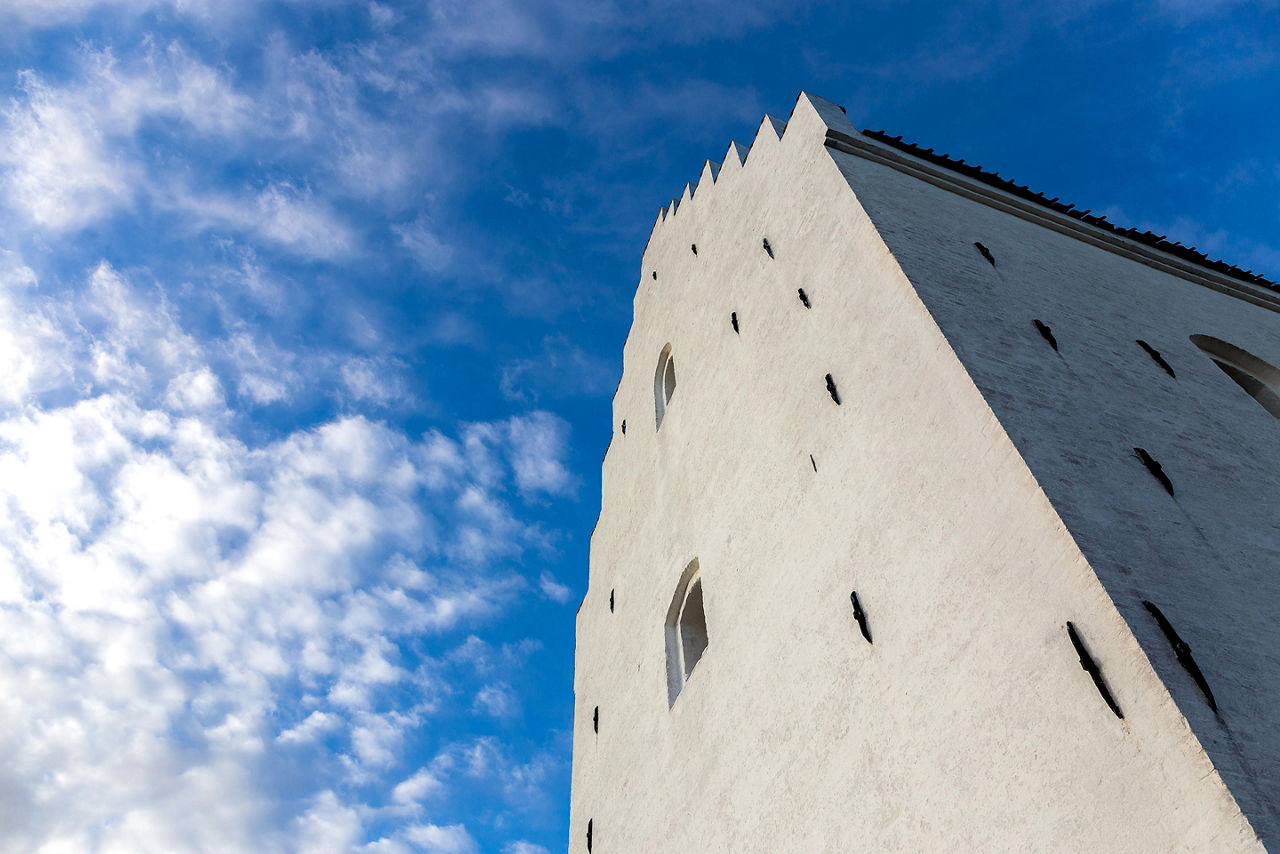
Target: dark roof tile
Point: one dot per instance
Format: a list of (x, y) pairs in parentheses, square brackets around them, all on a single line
[(1147, 238)]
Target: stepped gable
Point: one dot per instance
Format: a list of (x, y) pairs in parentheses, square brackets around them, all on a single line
[(1161, 242)]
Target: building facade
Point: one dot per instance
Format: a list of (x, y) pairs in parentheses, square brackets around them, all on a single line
[(937, 516)]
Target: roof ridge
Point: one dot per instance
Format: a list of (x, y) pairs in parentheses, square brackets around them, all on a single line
[(1147, 238)]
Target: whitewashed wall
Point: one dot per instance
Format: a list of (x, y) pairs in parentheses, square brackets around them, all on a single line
[(969, 724)]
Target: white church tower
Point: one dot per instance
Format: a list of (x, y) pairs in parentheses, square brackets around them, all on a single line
[(938, 516)]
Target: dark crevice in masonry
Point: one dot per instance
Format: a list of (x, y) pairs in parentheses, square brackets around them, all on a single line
[(694, 247), (860, 616), (611, 601), (1157, 471), (733, 318), (1146, 238), (831, 390), (595, 720), (804, 298), (1155, 354), (589, 821), (624, 426), (655, 275), (1047, 334), (1182, 652), (813, 462), (986, 253), (1091, 667), (767, 247)]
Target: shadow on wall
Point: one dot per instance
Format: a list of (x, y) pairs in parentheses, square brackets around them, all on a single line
[(686, 631), (1260, 379)]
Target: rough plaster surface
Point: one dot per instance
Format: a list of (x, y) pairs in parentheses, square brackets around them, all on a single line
[(976, 489)]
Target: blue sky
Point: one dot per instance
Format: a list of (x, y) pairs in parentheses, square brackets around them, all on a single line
[(310, 315)]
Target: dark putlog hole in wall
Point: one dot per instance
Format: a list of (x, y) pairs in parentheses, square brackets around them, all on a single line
[(1091, 667), (1182, 652), (832, 390), (1159, 360), (1157, 471), (1047, 334), (859, 615)]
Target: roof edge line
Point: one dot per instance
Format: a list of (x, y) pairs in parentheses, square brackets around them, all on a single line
[(1107, 239)]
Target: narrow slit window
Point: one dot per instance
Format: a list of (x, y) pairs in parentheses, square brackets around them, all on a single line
[(664, 383), (686, 631), (1259, 379)]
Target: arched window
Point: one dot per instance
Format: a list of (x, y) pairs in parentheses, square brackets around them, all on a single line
[(664, 383), (1260, 379), (686, 630)]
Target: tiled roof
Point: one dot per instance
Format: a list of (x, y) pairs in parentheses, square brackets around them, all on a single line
[(1147, 238)]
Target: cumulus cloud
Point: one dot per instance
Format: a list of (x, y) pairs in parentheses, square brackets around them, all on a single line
[(187, 615)]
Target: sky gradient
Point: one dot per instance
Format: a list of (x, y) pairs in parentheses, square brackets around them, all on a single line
[(310, 316)]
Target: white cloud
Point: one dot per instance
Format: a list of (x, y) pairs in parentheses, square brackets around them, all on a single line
[(68, 153), (553, 589), (421, 785), (329, 826), (183, 610), (538, 442), (560, 369), (59, 167), (496, 700), (313, 727), (431, 838), (523, 847), (46, 12), (280, 213), (426, 247)]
